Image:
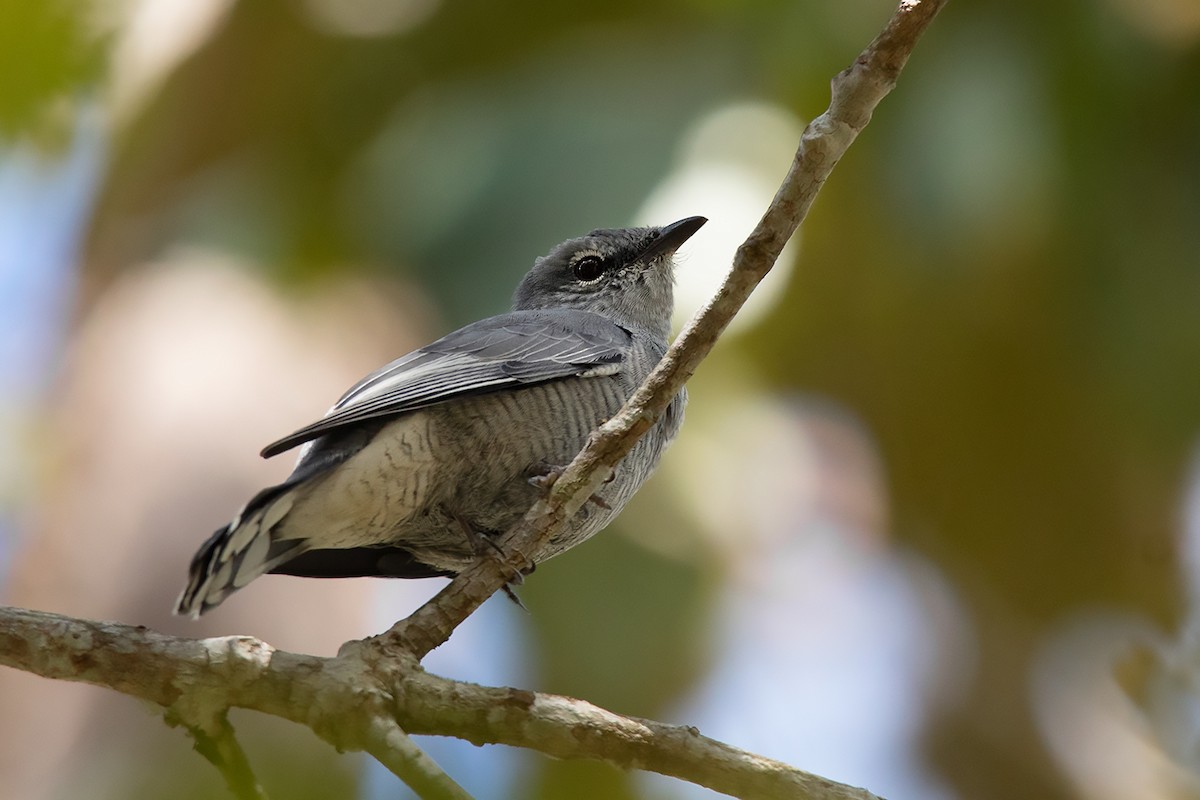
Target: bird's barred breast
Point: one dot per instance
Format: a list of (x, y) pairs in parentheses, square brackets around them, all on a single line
[(514, 432), (505, 435)]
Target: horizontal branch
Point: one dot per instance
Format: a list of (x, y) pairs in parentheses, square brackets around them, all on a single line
[(357, 703)]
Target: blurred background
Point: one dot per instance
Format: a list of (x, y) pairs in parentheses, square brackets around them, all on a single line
[(932, 526)]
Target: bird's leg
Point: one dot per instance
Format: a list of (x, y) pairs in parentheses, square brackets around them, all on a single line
[(478, 542), (481, 543), (543, 476)]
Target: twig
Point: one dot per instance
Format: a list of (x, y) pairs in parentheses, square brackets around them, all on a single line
[(857, 90), (222, 749), (396, 750)]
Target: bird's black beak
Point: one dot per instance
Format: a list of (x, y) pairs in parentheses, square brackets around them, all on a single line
[(671, 237)]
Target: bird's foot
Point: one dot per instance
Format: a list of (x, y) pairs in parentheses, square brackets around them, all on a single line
[(483, 544), (543, 476)]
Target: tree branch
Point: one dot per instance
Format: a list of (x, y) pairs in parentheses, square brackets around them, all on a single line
[(856, 90), (357, 702), (375, 691)]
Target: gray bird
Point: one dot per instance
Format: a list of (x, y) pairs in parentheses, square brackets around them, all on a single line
[(430, 458)]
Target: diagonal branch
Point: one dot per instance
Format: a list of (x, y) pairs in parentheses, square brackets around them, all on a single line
[(857, 90)]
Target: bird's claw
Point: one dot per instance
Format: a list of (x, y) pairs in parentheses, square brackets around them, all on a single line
[(543, 476), (518, 579), (508, 591)]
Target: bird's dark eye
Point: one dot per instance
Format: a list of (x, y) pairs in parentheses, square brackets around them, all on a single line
[(588, 268)]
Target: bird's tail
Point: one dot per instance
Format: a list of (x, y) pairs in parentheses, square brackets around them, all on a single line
[(238, 553)]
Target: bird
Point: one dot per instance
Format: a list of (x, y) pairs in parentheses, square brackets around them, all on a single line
[(429, 460)]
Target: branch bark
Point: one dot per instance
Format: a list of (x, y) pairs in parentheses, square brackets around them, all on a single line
[(374, 692), (356, 702)]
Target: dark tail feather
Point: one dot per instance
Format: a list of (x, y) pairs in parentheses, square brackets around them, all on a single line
[(239, 552), (358, 562)]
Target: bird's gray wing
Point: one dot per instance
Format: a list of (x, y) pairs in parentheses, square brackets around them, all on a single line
[(521, 348)]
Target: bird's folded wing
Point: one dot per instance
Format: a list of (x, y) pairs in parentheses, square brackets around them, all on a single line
[(524, 347)]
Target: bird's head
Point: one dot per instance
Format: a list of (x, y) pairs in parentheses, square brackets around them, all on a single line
[(625, 274)]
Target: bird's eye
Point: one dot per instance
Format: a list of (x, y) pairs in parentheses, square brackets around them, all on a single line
[(589, 268)]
